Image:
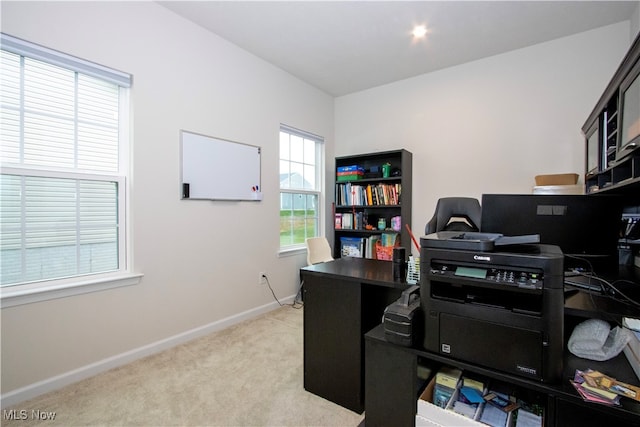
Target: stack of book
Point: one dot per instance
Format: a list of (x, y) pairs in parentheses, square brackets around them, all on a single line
[(594, 386), (632, 349), (349, 173)]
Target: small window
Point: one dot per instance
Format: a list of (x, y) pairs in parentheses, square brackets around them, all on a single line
[(300, 187), (64, 147)]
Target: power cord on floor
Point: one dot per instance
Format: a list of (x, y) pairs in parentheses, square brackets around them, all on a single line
[(295, 304)]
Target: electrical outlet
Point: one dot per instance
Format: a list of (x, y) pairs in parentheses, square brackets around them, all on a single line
[(262, 278)]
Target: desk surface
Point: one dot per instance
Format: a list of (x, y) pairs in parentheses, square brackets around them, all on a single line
[(361, 270)]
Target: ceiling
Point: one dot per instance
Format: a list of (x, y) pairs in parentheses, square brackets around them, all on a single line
[(343, 47)]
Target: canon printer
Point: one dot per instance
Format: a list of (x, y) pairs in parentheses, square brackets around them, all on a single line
[(494, 305)]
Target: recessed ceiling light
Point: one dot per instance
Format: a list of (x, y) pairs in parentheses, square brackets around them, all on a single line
[(419, 31)]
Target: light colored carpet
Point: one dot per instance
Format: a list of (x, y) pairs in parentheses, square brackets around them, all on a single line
[(250, 374)]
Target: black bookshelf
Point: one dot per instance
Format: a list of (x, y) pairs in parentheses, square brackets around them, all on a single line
[(366, 210)]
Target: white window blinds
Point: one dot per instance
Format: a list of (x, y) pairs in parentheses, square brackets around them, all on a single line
[(64, 165)]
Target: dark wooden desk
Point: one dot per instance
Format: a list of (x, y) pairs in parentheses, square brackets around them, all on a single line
[(343, 299)]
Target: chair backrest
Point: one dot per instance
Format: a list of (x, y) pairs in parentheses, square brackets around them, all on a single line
[(318, 250), (455, 207)]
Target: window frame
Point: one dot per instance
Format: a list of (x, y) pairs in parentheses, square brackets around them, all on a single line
[(45, 289), (319, 191)]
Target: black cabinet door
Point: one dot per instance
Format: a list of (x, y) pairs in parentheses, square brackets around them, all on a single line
[(391, 385), (332, 341)]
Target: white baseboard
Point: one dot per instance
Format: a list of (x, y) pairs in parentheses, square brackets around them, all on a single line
[(36, 389)]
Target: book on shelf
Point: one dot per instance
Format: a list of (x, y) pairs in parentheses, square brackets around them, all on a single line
[(352, 247), (349, 194), (357, 221), (370, 249), (338, 221), (390, 239), (347, 221)]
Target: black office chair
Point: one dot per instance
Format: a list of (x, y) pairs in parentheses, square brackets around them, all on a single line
[(455, 214)]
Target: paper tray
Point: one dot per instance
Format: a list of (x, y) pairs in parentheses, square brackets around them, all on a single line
[(474, 241)]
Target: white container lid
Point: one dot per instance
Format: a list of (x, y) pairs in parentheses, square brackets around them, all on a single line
[(558, 189)]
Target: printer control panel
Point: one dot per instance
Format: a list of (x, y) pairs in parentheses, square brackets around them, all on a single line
[(503, 276)]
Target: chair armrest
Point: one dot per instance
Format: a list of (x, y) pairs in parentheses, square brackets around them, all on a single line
[(431, 226)]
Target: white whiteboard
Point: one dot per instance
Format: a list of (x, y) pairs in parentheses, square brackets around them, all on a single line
[(218, 169)]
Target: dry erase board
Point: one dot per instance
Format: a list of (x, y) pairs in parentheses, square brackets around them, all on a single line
[(218, 169)]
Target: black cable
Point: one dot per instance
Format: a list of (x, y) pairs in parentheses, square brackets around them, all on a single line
[(295, 304), (590, 275), (625, 298), (298, 297), (605, 286)]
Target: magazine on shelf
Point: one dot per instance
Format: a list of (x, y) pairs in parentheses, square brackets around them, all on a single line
[(352, 247)]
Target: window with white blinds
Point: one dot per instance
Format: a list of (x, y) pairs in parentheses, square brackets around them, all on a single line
[(64, 151)]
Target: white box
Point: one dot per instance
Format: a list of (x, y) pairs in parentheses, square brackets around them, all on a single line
[(435, 415), (423, 422), (558, 189)]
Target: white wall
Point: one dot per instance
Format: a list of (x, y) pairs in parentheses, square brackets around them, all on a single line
[(491, 125), (200, 259)]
